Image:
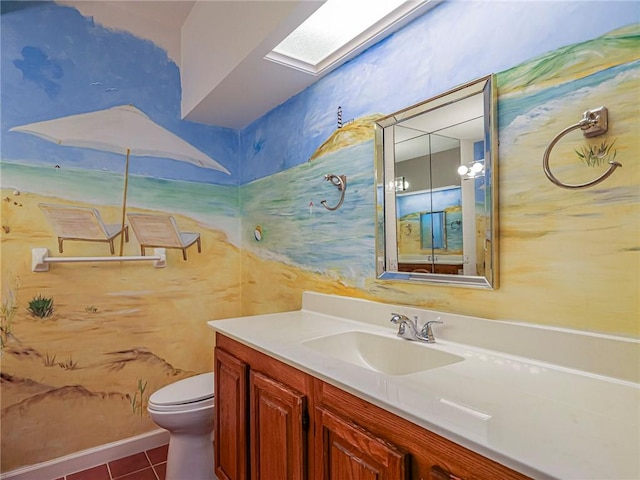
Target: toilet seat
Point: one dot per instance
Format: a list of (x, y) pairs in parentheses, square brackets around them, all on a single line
[(188, 394)]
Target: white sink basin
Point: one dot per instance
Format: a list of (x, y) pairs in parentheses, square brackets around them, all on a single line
[(391, 356)]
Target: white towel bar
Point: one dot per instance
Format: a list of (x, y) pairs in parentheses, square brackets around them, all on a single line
[(40, 259)]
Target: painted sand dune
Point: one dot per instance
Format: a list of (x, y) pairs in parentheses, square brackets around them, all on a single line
[(82, 418), (128, 357), (69, 392), (76, 401), (16, 389), (124, 368), (357, 131)]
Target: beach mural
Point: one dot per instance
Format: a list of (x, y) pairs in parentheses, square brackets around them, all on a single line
[(91, 135), (84, 345)]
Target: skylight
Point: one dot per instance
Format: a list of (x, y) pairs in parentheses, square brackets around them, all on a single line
[(340, 29)]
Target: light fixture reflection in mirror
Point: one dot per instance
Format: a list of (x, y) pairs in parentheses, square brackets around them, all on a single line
[(472, 170), (437, 216), (401, 184)]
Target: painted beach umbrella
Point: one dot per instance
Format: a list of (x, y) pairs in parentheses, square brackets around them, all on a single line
[(123, 129)]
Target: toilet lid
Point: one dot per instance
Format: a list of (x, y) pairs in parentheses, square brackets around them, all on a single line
[(189, 390)]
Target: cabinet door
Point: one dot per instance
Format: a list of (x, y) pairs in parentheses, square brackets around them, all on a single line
[(346, 451), (277, 424), (231, 427)]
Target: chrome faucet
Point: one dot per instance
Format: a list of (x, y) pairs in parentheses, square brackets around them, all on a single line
[(408, 328)]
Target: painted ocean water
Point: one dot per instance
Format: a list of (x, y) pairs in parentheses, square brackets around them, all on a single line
[(298, 230), (213, 205)]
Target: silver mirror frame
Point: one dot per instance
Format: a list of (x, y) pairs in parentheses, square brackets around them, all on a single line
[(386, 221)]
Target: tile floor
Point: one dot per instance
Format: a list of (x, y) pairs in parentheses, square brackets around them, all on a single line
[(149, 465)]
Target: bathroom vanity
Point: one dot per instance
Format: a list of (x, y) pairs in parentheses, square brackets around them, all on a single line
[(285, 423), (330, 392)]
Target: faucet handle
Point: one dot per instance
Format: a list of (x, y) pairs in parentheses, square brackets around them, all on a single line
[(427, 331), (398, 317)]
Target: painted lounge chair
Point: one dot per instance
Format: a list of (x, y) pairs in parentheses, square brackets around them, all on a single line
[(81, 224), (161, 231)]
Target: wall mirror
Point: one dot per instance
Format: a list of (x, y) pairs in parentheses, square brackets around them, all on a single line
[(436, 190)]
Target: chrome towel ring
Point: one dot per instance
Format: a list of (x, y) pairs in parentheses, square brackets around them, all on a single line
[(339, 181), (594, 122)]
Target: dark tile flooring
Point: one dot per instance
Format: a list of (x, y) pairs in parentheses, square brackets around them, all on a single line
[(149, 465)]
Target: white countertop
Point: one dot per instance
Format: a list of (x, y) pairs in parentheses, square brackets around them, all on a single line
[(543, 420)]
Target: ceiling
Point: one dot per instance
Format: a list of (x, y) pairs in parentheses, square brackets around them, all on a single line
[(220, 48)]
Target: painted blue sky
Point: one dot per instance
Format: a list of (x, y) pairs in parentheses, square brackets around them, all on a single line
[(55, 62)]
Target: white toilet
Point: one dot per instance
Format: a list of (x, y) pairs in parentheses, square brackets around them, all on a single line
[(185, 408)]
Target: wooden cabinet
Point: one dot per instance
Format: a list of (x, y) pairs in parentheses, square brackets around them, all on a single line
[(231, 410), (274, 421), (346, 451), (269, 439), (278, 418)]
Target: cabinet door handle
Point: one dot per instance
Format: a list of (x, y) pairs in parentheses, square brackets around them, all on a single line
[(439, 473)]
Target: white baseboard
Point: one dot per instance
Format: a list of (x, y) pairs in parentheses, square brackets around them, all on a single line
[(92, 457)]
